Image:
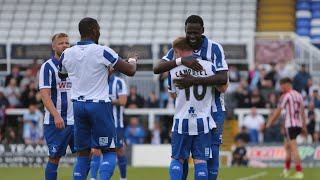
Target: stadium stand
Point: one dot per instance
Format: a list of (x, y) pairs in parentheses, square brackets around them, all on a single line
[(34, 21), (276, 15), (308, 20)]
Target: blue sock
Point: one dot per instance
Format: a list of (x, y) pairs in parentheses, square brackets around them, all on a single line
[(201, 171), (108, 165), (122, 163), (95, 165), (213, 163), (81, 168), (51, 171), (176, 170), (185, 169)]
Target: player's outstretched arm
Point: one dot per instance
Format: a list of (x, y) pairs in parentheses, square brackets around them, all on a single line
[(128, 68)]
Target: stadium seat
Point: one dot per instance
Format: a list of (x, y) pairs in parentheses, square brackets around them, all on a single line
[(135, 20), (303, 22), (303, 5), (303, 31), (315, 22), (303, 14)]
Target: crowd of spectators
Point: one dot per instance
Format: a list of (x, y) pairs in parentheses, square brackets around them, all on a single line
[(258, 88), (262, 90)]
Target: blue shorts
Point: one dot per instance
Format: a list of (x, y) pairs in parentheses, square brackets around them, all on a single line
[(216, 134), (183, 144), (58, 140), (120, 138), (93, 126)]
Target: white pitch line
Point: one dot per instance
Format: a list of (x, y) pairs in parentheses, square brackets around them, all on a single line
[(254, 176)]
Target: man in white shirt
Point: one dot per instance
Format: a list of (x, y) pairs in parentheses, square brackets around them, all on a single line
[(255, 123), (86, 64)]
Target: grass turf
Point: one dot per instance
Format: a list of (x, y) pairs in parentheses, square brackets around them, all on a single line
[(160, 173)]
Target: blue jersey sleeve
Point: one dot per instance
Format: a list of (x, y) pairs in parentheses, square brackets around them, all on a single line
[(169, 56)]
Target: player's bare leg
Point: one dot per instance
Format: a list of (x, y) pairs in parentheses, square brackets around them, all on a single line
[(287, 148), (296, 158), (122, 162)]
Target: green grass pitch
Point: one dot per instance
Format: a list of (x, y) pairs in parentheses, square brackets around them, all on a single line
[(160, 174)]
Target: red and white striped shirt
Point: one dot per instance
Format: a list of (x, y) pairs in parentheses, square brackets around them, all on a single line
[(292, 102)]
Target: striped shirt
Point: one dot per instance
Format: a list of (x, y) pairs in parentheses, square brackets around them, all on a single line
[(292, 102), (192, 108), (60, 91), (117, 87), (86, 64), (210, 51)]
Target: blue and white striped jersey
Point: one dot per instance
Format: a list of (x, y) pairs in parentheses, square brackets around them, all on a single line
[(210, 51), (117, 87), (87, 66), (193, 105), (60, 91)]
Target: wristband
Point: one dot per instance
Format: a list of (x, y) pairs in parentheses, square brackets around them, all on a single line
[(132, 60), (178, 62)]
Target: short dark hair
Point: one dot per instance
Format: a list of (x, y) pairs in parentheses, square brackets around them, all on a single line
[(86, 25), (194, 19), (285, 80)]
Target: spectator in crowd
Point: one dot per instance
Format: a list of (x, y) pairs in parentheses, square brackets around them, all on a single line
[(239, 155), (271, 100), (152, 101), (10, 136), (27, 79), (15, 74), (315, 98), (242, 94), (234, 74), (29, 94), (256, 99), (35, 67), (304, 139), (12, 92), (300, 81), (313, 124), (312, 86), (34, 135), (134, 99), (254, 77), (4, 103), (272, 76), (134, 133), (155, 134), (265, 84), (255, 123), (243, 135), (28, 117)]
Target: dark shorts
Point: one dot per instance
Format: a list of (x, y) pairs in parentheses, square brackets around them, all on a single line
[(292, 132)]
